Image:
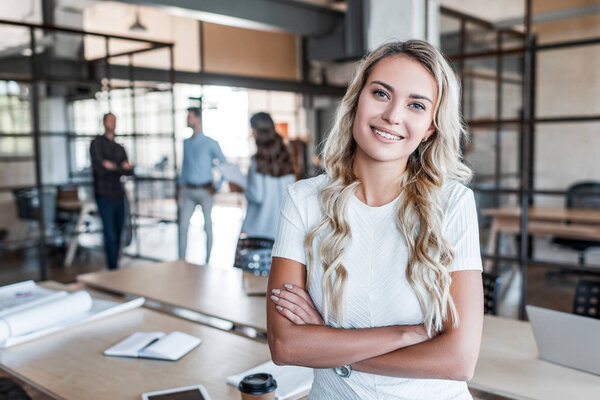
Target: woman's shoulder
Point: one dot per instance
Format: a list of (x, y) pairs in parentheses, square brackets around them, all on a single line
[(454, 193), (307, 190)]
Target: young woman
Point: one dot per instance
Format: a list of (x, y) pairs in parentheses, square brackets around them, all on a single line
[(271, 172), (376, 273)]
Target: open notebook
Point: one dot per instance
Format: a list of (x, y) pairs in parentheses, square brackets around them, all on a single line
[(155, 345), (28, 311)]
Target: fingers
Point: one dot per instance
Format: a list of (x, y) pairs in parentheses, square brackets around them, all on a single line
[(289, 315), (301, 293), (295, 299), (291, 307), (298, 303)]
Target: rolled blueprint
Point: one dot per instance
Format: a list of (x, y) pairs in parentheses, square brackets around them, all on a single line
[(44, 315)]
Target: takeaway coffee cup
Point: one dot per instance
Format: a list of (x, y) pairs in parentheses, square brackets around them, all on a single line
[(258, 387)]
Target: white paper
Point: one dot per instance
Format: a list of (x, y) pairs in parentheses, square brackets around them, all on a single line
[(44, 315), (22, 295), (292, 382), (231, 173)]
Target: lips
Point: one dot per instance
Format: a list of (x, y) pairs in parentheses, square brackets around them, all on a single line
[(386, 133)]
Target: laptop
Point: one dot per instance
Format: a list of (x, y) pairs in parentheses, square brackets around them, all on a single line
[(566, 339)]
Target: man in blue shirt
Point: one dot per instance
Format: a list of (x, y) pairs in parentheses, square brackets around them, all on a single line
[(200, 154)]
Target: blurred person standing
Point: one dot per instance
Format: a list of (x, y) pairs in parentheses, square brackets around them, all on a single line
[(200, 154), (109, 163), (271, 172)]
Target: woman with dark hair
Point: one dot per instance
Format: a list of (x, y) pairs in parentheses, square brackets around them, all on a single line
[(271, 171)]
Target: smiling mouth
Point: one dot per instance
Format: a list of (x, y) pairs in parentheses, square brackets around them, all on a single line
[(385, 134)]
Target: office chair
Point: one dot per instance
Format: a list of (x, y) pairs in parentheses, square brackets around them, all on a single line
[(28, 207), (253, 256), (587, 299), (256, 261), (491, 287), (584, 195), (246, 242), (10, 389)]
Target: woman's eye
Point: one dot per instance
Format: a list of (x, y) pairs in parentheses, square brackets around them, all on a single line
[(381, 93), (418, 106)]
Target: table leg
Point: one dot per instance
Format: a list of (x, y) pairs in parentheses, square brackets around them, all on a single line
[(85, 210), (491, 245)]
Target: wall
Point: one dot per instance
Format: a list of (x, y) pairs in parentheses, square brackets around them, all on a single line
[(116, 18), (227, 49), (249, 52)]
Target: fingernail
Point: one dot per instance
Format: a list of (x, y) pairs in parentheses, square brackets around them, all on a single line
[(275, 291), (288, 286), (274, 298), (278, 308)]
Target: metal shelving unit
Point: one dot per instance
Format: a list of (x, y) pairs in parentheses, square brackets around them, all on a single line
[(528, 49), (98, 79)]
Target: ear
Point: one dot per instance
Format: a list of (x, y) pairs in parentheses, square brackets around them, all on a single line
[(430, 131)]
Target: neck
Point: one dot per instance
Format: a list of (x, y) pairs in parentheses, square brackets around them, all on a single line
[(110, 135), (379, 180), (197, 130)]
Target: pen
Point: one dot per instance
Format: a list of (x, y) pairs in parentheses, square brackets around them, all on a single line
[(150, 343)]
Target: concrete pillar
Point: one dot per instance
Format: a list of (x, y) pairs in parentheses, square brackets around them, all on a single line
[(387, 20), (53, 148)]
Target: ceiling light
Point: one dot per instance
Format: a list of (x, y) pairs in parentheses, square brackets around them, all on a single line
[(137, 25)]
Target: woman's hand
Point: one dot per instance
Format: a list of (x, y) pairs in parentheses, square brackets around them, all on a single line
[(295, 304), (414, 334)]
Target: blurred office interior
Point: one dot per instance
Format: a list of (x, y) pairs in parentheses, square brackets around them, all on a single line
[(529, 71)]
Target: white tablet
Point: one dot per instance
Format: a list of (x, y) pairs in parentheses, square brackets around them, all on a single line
[(196, 392)]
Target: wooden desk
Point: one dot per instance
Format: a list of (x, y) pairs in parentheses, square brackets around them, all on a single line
[(206, 290), (548, 214), (543, 221), (508, 363), (509, 366), (70, 364)]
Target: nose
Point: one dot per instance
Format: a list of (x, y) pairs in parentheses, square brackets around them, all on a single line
[(394, 113)]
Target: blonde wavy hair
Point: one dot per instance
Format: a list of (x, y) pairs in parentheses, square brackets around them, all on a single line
[(419, 209)]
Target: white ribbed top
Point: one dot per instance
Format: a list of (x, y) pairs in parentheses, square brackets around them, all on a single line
[(377, 293)]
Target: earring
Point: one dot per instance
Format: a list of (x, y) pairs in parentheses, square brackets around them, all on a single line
[(424, 139)]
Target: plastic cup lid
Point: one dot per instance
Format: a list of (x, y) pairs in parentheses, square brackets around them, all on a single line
[(257, 384)]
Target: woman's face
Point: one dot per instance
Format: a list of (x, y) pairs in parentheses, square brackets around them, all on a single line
[(395, 111)]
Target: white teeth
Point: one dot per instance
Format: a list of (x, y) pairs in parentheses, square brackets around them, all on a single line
[(386, 135)]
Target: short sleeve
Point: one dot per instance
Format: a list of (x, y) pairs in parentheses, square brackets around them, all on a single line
[(461, 230), (289, 240)]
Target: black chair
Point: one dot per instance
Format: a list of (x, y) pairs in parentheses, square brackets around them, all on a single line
[(585, 195), (246, 242), (10, 389), (587, 299), (491, 287), (28, 207), (257, 261)]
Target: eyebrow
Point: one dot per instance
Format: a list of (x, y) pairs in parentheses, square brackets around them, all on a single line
[(412, 95)]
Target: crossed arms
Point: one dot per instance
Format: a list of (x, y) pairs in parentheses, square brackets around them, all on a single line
[(297, 335)]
